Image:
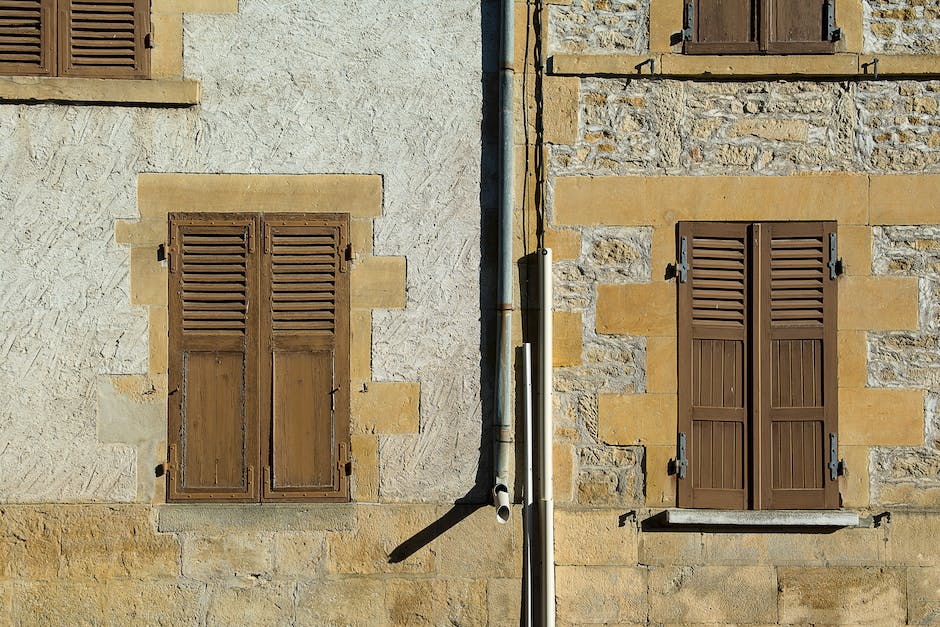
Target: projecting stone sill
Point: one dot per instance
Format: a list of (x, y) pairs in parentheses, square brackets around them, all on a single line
[(230, 517), (166, 92), (764, 518)]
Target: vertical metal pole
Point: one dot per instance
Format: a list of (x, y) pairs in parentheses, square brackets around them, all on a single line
[(528, 510), (546, 497)]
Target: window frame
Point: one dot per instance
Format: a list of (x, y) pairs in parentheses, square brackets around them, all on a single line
[(753, 370), (761, 24), (260, 344)]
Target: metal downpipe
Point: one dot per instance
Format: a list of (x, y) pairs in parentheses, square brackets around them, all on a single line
[(503, 426)]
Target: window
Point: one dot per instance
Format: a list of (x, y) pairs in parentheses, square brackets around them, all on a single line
[(259, 357), (757, 365), (90, 38), (759, 27)]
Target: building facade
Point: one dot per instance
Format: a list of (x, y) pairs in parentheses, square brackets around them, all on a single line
[(377, 123)]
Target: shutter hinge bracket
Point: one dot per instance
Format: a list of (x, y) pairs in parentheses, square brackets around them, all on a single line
[(837, 466), (836, 265), (832, 33), (688, 14), (682, 463), (161, 252), (682, 268)]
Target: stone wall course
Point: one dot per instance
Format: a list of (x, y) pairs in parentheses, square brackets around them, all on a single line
[(732, 594), (842, 596)]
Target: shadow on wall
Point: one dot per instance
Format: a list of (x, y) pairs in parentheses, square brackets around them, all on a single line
[(479, 494)]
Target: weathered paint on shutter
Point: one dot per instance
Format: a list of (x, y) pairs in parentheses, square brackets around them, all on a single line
[(27, 37), (724, 26), (797, 26), (104, 38), (305, 357), (713, 349), (795, 365), (213, 316)]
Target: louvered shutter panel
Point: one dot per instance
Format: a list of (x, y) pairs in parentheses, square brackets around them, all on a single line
[(724, 26), (104, 38), (796, 26), (213, 381), (27, 37), (713, 349), (797, 365), (306, 356)]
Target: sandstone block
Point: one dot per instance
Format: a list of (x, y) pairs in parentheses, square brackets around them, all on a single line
[(662, 251), (855, 249), (877, 303), (148, 277), (153, 603), (195, 6), (923, 596), (503, 602), (637, 418), (107, 542), (855, 484), (378, 283), (566, 338), (560, 97), (265, 603), (660, 485), (667, 547), (360, 236), (842, 547), (772, 129), (29, 542), (365, 452), (661, 365), (299, 554), (227, 557), (360, 345), (600, 594), (563, 463), (565, 243), (841, 596), (913, 537), (713, 594), (881, 417), (386, 407), (594, 536), (637, 309), (853, 359), (166, 60), (348, 601), (436, 601), (380, 530), (140, 232), (477, 547)]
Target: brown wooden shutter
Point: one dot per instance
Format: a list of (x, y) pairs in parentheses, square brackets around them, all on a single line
[(795, 365), (305, 354), (797, 26), (713, 349), (213, 316), (724, 26), (104, 38), (27, 37)]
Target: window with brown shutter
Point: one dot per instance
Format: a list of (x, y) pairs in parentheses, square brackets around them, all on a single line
[(90, 38), (759, 27), (757, 365), (259, 357)]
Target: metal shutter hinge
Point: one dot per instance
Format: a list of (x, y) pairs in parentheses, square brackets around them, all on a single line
[(682, 267), (148, 40), (343, 464), (688, 14), (836, 265), (832, 33), (681, 462), (837, 467)]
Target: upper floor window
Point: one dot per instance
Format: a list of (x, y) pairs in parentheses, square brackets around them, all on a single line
[(88, 38), (759, 27)]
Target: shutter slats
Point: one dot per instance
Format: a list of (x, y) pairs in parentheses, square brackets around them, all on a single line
[(220, 269), (26, 32), (104, 38)]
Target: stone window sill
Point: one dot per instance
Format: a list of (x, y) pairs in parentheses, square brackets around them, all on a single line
[(760, 518), (670, 65), (28, 89), (227, 517)]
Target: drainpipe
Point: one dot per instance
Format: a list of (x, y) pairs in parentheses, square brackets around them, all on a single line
[(501, 495), (546, 433)]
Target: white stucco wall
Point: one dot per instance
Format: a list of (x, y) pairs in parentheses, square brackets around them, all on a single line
[(389, 88)]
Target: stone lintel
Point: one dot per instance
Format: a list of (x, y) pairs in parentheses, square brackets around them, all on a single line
[(242, 517), (765, 518), (180, 93)]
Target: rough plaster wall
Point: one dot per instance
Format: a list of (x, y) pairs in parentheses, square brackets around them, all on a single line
[(287, 87)]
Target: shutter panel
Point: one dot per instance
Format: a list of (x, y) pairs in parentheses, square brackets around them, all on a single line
[(795, 362), (104, 38), (305, 357), (797, 26), (724, 26), (27, 37), (713, 347), (213, 405)]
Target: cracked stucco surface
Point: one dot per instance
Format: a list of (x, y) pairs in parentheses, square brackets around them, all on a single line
[(378, 88)]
